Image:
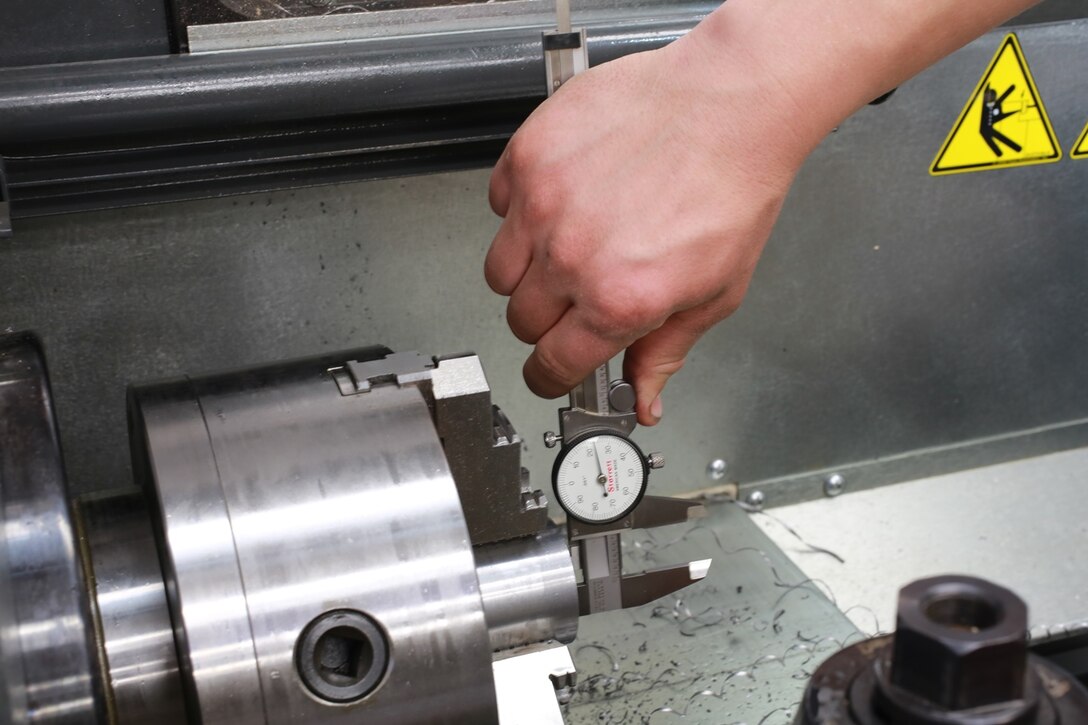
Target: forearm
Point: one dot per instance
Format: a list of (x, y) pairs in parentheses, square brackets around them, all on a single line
[(823, 60)]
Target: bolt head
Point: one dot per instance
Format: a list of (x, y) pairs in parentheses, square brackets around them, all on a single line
[(834, 484), (960, 643), (755, 499), (715, 470)]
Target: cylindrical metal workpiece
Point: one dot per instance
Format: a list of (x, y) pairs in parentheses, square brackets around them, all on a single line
[(132, 616), (529, 590), (311, 536)]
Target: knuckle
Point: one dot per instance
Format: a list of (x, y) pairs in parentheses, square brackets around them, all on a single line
[(565, 259), (651, 366), (552, 368), (495, 276), (668, 367), (732, 303), (626, 312), (540, 204), (497, 198), (521, 328), (520, 154)]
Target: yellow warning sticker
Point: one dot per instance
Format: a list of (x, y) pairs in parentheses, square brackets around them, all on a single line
[(1003, 124), (1080, 148)]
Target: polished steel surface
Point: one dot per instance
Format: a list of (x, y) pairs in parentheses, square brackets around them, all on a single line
[(12, 682), (49, 672), (529, 590), (482, 448), (133, 618), (176, 466), (308, 501)]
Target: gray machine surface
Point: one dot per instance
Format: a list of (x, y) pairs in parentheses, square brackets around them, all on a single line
[(1023, 524), (899, 325)]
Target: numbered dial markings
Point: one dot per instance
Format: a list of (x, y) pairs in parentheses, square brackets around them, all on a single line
[(600, 478)]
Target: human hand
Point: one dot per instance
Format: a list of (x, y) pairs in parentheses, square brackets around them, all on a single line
[(636, 203)]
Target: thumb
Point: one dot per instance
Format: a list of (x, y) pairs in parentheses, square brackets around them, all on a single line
[(654, 358)]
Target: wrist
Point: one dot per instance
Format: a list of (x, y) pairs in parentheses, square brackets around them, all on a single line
[(818, 62), (752, 78)]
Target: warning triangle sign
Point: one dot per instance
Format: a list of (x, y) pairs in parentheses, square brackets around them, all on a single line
[(1003, 124), (1080, 148)]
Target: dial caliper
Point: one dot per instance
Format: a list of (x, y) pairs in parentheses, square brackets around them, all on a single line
[(600, 478), (600, 475)]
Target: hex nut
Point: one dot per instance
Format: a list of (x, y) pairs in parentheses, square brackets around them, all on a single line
[(960, 643)]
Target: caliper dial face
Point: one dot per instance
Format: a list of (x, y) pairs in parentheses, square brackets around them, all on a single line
[(600, 478)]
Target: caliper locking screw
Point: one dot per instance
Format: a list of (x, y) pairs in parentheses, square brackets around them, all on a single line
[(655, 460), (551, 439)]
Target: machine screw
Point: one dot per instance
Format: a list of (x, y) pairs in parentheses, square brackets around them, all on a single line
[(755, 499), (715, 470), (342, 655), (551, 439), (655, 460), (834, 485)]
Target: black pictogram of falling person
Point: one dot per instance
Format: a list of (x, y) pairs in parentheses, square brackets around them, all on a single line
[(991, 115)]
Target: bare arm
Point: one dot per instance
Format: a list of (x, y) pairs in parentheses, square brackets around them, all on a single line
[(637, 201)]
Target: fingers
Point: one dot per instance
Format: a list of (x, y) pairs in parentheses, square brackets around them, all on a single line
[(565, 355), (507, 259), (536, 305), (651, 360)]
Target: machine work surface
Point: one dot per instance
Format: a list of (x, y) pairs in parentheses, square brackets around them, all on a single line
[(737, 647), (1021, 524)]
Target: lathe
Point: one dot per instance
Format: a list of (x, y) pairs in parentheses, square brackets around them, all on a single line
[(354, 537)]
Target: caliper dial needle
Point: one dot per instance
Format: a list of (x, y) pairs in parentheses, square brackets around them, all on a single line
[(603, 477)]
